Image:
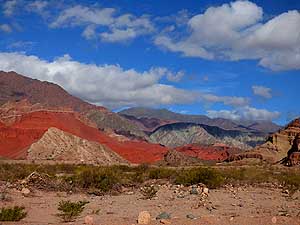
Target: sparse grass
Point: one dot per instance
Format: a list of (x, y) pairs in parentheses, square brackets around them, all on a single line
[(210, 177), (100, 180), (70, 210), (15, 213)]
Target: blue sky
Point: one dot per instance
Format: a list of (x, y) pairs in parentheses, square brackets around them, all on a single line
[(231, 59)]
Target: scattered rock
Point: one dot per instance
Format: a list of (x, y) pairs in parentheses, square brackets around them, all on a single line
[(191, 216), (25, 192), (163, 215), (274, 219), (205, 190), (165, 221), (89, 220), (144, 217), (194, 191)]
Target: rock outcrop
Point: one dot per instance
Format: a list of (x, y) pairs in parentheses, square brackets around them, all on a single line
[(278, 144), (293, 155), (58, 145), (279, 147)]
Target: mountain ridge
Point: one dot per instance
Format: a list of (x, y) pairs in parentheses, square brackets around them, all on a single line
[(164, 114)]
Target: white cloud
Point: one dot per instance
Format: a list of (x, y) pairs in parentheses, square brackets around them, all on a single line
[(244, 113), (109, 85), (235, 31), (37, 6), (226, 100), (89, 32), (175, 77), (9, 7), (119, 28), (5, 28), (262, 91)]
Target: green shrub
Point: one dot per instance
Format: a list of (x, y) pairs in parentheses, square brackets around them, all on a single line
[(290, 181), (149, 192), (161, 173), (70, 210), (102, 178), (12, 214)]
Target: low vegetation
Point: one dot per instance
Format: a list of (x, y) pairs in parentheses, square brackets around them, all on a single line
[(15, 213), (149, 192), (101, 180), (70, 210)]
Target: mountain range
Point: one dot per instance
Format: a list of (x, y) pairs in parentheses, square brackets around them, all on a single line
[(41, 121), (167, 115)]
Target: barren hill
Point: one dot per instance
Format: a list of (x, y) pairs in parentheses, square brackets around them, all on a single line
[(58, 145)]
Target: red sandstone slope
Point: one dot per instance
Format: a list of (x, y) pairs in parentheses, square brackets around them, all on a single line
[(29, 127), (210, 153), (15, 87)]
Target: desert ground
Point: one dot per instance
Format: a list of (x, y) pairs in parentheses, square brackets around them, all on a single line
[(260, 204)]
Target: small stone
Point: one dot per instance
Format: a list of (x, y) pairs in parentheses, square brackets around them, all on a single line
[(231, 218), (205, 190), (89, 220), (165, 221), (191, 216), (274, 219), (144, 217), (194, 191), (25, 192), (163, 215)]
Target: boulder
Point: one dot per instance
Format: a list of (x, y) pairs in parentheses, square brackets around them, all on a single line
[(25, 192), (144, 217)]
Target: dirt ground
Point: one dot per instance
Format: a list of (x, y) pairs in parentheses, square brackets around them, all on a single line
[(231, 205)]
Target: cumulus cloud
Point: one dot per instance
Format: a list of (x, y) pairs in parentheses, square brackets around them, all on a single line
[(235, 31), (262, 91), (244, 113), (120, 28), (108, 85), (111, 85), (5, 28)]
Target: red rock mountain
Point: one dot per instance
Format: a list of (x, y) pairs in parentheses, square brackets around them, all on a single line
[(15, 87), (29, 108), (30, 127)]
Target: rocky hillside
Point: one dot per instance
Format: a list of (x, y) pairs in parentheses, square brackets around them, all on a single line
[(25, 129), (164, 114), (176, 158), (277, 146), (15, 87), (58, 145), (212, 153), (179, 134)]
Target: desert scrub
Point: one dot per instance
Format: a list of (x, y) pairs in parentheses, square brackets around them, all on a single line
[(15, 213), (210, 177), (100, 178), (161, 173), (149, 192), (70, 210), (290, 181)]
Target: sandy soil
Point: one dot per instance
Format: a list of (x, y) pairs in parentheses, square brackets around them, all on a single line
[(231, 205)]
